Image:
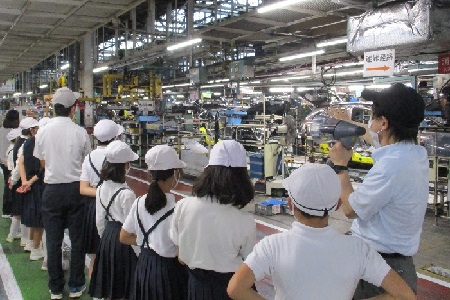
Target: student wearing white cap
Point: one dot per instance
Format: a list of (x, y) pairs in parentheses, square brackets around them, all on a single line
[(313, 260), (159, 275), (61, 146), (105, 131), (112, 276), (12, 136), (213, 235), (20, 208)]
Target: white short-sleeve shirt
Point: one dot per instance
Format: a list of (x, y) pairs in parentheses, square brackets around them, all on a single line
[(159, 239), (63, 145), (391, 201), (212, 236), (87, 173), (315, 263)]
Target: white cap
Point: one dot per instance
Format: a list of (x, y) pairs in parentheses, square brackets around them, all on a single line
[(228, 153), (314, 189), (44, 121), (163, 157), (117, 152), (65, 96), (121, 129), (105, 130), (28, 123), (13, 134)]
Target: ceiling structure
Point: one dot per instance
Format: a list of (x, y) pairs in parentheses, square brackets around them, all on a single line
[(33, 30)]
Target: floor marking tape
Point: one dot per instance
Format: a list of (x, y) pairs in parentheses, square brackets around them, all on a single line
[(9, 281), (434, 280)]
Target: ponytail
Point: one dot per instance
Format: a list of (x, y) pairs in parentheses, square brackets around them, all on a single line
[(156, 199)]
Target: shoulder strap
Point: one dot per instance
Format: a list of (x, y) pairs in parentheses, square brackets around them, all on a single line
[(95, 170), (108, 214), (146, 234)]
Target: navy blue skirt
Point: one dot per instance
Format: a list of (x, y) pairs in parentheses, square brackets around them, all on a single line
[(159, 278), (91, 237), (32, 206), (17, 201), (208, 285), (114, 266)]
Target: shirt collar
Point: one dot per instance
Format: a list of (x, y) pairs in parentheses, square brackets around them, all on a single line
[(377, 154)]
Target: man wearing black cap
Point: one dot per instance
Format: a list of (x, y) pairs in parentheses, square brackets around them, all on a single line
[(390, 204), (11, 121)]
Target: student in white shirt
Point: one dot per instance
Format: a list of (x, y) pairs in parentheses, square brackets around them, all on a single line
[(313, 260), (112, 276), (213, 235), (159, 274), (105, 131), (15, 222)]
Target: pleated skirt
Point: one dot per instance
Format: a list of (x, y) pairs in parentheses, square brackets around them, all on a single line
[(114, 266), (159, 278), (17, 201), (32, 206), (91, 237), (208, 285)]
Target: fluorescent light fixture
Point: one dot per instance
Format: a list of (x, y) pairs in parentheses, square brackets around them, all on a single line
[(29, 93), (100, 69), (212, 86), (255, 81), (43, 86), (332, 42), (422, 69), (17, 94), (180, 96), (355, 87), (301, 55), (218, 94), (378, 86), (302, 89), (277, 5), (344, 73), (184, 44), (281, 90), (351, 64), (167, 86), (289, 78), (182, 84), (65, 66)]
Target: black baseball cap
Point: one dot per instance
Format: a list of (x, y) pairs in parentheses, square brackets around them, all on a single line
[(400, 104)]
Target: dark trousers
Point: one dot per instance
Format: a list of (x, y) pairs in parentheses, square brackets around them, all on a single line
[(404, 266), (7, 201), (62, 207)]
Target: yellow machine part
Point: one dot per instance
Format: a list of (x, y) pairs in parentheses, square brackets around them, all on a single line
[(356, 157)]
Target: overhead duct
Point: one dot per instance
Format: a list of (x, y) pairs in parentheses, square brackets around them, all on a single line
[(393, 25)]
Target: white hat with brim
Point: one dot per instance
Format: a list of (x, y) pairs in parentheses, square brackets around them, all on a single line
[(28, 123), (117, 152), (314, 189), (105, 130), (65, 97), (228, 153), (163, 157), (13, 134)]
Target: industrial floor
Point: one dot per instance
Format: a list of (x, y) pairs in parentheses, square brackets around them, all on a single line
[(22, 279)]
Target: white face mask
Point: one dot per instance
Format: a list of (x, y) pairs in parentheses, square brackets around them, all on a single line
[(374, 135), (177, 179), (127, 168)]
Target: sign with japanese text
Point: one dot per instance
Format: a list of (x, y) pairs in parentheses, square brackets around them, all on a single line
[(146, 105), (444, 64), (379, 63)]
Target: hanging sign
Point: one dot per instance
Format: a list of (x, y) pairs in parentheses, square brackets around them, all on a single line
[(444, 64), (379, 63)]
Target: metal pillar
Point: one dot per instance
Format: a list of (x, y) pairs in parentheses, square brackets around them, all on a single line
[(87, 82), (168, 19), (133, 26), (116, 38), (190, 18), (74, 62), (151, 19)]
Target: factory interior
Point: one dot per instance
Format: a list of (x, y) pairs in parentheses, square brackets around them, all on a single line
[(280, 77)]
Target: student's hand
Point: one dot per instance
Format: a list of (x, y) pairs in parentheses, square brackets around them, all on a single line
[(339, 155)]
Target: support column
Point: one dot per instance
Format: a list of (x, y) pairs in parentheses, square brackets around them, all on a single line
[(87, 79), (133, 26), (168, 19), (116, 38), (190, 18), (151, 19)]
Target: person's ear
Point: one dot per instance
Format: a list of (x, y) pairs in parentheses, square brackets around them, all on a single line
[(384, 123)]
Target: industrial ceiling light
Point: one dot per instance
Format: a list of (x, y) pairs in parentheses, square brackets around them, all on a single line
[(302, 89), (332, 42), (43, 86), (278, 5), (301, 55), (289, 78), (355, 72), (100, 69), (65, 66), (29, 93), (184, 44), (281, 90)]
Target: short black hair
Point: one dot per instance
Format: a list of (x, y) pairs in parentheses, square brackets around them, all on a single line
[(229, 185), (113, 172), (62, 111), (156, 198), (12, 119), (400, 132), (309, 216), (26, 131), (105, 142)]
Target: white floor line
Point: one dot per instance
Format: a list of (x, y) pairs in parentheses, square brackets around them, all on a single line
[(270, 225), (434, 280), (138, 179), (9, 281)]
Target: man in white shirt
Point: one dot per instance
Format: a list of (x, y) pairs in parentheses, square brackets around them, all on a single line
[(313, 260), (389, 205), (61, 146)]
